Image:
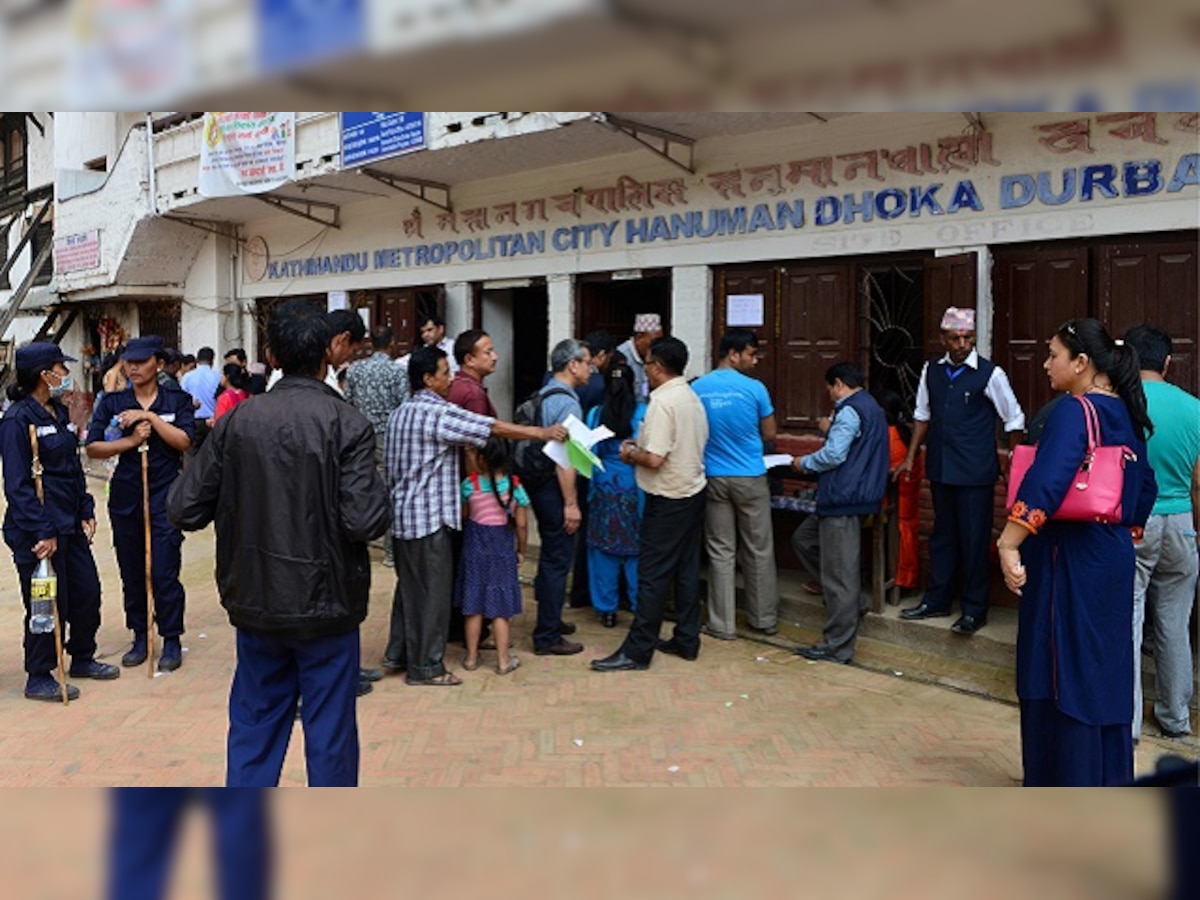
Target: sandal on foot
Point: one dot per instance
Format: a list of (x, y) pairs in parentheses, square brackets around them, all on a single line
[(470, 666), (446, 679), (514, 663)]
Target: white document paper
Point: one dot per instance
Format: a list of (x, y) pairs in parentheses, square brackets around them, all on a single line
[(777, 459), (744, 310), (588, 437)]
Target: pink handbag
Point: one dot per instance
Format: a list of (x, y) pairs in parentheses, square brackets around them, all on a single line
[(1095, 494)]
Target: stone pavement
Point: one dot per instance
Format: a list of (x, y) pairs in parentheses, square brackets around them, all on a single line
[(747, 713)]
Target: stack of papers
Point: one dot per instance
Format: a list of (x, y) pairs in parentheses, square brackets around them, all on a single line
[(576, 451)]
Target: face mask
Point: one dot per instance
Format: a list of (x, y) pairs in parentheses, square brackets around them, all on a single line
[(57, 390)]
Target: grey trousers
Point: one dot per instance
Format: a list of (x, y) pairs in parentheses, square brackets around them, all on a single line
[(421, 605), (1166, 579), (830, 547), (737, 530)]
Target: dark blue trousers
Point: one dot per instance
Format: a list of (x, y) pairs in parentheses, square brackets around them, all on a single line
[(145, 828), (273, 674), (554, 562), (166, 542), (958, 547), (78, 604)]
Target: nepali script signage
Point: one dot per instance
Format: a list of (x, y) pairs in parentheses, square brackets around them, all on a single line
[(951, 182), (246, 152), (371, 136), (77, 252)]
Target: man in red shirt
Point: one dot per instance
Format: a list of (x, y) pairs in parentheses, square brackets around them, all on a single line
[(476, 357)]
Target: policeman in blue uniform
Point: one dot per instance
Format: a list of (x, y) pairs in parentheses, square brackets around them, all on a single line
[(61, 528), (146, 412)]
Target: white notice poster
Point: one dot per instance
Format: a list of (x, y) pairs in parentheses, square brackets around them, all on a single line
[(744, 310), (246, 152)]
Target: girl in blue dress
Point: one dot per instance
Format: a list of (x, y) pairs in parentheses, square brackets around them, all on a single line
[(1075, 579), (493, 549)]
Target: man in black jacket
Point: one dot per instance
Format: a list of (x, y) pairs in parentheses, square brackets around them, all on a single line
[(295, 583)]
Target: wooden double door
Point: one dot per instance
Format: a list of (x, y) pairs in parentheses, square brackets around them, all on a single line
[(1147, 279), (878, 312)]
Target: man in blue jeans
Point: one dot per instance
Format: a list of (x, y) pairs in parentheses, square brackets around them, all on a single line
[(556, 504)]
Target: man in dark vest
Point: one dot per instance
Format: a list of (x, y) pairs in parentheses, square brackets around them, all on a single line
[(852, 471), (958, 400)]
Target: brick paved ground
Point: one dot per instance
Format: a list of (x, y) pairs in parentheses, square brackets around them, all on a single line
[(745, 714)]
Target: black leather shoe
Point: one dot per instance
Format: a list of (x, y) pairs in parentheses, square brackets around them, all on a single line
[(566, 628), (608, 620), (924, 611), (364, 687), (819, 654), (769, 631), (562, 648), (674, 648), (370, 674), (92, 668), (618, 662), (393, 665), (968, 624)]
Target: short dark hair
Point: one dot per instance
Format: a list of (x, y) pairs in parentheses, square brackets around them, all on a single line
[(847, 373), (205, 355), (169, 356), (465, 343), (1153, 346), (298, 333), (422, 362), (343, 320), (737, 340), (671, 352), (600, 342), (438, 321), (238, 353), (381, 337), (188, 359)]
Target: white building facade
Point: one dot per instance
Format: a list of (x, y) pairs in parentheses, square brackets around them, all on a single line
[(833, 235)]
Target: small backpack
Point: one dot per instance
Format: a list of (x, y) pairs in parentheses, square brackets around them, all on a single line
[(533, 466)]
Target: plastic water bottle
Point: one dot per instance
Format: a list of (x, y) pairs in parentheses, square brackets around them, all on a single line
[(113, 431), (43, 591)]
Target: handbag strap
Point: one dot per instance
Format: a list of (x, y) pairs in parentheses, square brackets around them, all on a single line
[(1093, 424)]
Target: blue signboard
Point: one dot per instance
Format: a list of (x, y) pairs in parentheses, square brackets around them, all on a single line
[(371, 136), (293, 34)]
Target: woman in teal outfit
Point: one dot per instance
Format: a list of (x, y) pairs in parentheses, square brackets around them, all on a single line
[(614, 501)]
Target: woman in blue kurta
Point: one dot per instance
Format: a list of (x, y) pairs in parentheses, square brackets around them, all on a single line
[(1074, 644), (614, 501)]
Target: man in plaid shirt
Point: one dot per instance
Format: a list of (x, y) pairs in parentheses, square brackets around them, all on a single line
[(423, 474)]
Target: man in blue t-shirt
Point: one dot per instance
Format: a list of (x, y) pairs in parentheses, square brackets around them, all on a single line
[(738, 515), (1167, 565)]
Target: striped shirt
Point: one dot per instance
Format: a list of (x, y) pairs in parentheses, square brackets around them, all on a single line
[(421, 463)]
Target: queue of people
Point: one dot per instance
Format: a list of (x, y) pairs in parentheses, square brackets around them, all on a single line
[(419, 457)]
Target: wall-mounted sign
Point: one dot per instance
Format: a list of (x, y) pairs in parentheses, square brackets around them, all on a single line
[(337, 300), (76, 252), (371, 136)]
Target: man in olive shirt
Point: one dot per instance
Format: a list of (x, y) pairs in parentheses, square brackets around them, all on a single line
[(669, 459)]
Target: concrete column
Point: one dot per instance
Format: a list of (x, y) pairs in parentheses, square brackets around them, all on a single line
[(458, 308), (691, 314), (560, 291), (210, 317)]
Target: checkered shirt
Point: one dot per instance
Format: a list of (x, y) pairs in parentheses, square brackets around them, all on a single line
[(421, 462)]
